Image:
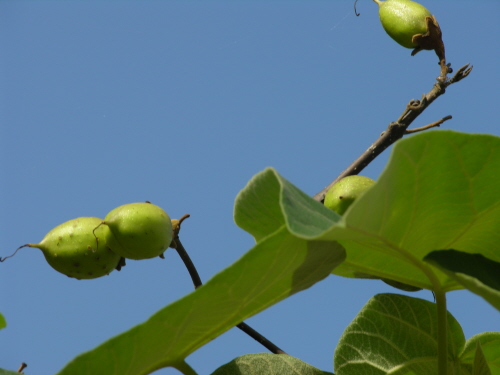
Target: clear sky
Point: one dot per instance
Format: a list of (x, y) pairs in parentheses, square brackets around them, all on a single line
[(181, 103)]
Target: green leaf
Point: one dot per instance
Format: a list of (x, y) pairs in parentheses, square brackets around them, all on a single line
[(439, 191), (395, 334), (286, 260), (266, 363), (480, 364), (8, 372), (269, 201), (474, 271), (3, 323), (490, 348)]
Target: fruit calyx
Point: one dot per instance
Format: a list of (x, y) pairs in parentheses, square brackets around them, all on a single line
[(176, 227), (432, 40)]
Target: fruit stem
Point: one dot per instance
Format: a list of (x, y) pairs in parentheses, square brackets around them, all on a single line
[(14, 253), (195, 277)]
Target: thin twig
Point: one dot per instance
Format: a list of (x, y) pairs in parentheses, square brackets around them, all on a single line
[(396, 130), (195, 277), (428, 126)]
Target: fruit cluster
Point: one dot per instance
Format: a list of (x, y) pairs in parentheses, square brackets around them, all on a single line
[(89, 247)]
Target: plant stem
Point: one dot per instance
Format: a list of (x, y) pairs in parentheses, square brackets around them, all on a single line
[(22, 367), (193, 272), (259, 338), (442, 332), (185, 368), (197, 283)]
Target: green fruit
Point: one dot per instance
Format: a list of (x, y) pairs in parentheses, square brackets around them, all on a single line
[(402, 19), (341, 195), (73, 249), (138, 230)]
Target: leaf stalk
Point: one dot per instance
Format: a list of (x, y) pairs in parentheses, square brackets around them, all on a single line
[(185, 368)]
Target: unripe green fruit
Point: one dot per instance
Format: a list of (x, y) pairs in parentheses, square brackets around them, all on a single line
[(402, 19), (138, 230), (73, 249), (341, 195)]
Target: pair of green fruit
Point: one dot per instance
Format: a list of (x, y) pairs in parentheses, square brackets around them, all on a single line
[(89, 247)]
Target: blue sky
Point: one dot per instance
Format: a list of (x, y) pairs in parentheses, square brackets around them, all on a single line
[(181, 103)]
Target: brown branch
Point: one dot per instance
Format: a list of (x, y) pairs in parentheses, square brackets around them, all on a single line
[(398, 129)]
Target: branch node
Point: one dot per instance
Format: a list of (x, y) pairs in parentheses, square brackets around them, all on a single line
[(414, 104)]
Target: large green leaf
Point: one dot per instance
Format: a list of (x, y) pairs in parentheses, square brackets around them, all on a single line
[(286, 260), (474, 271), (440, 190), (3, 323), (396, 334), (266, 363)]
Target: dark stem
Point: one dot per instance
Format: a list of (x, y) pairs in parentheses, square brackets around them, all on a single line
[(259, 338), (398, 129), (197, 283), (188, 263), (22, 367)]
